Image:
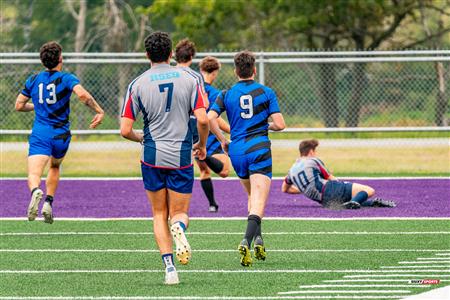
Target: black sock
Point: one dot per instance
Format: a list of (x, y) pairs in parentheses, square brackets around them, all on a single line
[(32, 191), (208, 188), (360, 197), (49, 199), (253, 222), (258, 230), (214, 164)]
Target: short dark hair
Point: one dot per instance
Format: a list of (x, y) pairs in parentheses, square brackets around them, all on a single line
[(158, 46), (50, 54), (209, 64), (307, 145), (244, 62), (184, 51)]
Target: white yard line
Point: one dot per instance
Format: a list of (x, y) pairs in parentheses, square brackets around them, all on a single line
[(212, 250), (362, 285), (227, 271), (416, 267), (443, 254), (375, 280), (236, 178), (425, 262), (346, 292), (203, 297), (244, 218), (423, 276), (232, 233)]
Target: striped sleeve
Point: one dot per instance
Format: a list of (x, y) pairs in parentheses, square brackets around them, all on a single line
[(197, 100), (130, 104), (322, 169), (218, 105)]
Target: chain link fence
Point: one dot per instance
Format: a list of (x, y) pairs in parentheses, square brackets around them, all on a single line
[(319, 90)]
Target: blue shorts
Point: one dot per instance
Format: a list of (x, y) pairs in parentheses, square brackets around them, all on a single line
[(257, 162), (336, 192), (214, 147), (178, 180), (56, 146)]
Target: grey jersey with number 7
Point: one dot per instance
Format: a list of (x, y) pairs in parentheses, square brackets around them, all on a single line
[(165, 96), (309, 175)]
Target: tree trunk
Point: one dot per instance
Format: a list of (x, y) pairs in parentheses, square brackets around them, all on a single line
[(359, 85), (328, 97), (441, 101)]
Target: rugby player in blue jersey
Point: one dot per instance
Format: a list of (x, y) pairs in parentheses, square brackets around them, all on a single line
[(50, 93), (184, 54), (249, 105), (209, 68), (309, 176)]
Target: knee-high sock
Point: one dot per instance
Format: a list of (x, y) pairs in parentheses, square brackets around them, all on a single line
[(214, 164), (361, 197), (208, 188), (253, 222)]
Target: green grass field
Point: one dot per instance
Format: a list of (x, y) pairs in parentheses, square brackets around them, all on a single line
[(300, 253)]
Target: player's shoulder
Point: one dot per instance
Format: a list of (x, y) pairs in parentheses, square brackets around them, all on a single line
[(191, 74)]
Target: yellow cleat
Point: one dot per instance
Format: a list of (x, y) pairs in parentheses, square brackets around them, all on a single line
[(246, 258), (183, 249), (260, 250)]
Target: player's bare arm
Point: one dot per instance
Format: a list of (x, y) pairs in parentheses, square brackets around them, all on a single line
[(277, 123), (85, 97), (203, 131), (289, 188), (215, 129), (22, 103), (224, 126), (126, 130)]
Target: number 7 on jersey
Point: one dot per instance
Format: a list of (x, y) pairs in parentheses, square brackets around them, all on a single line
[(169, 87)]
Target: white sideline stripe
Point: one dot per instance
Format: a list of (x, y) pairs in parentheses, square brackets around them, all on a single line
[(362, 285), (416, 267), (400, 275), (231, 233), (212, 250), (443, 254), (203, 298), (346, 292), (445, 260), (425, 259), (225, 271), (375, 280), (243, 218), (237, 178)]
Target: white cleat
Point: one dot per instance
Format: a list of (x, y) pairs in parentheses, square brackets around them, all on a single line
[(33, 207), (183, 253), (171, 276), (47, 212)]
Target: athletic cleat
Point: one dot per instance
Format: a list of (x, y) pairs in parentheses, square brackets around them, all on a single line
[(213, 208), (378, 202), (260, 250), (351, 205), (33, 207), (183, 253), (47, 212), (171, 276), (246, 258)]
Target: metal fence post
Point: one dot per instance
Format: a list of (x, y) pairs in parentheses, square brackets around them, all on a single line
[(261, 67)]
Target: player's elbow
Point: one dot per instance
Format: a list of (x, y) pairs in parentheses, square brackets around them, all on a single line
[(18, 106), (280, 125), (125, 131), (284, 188)]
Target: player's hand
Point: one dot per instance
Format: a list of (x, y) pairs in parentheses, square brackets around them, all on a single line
[(199, 152), (97, 120), (225, 146)]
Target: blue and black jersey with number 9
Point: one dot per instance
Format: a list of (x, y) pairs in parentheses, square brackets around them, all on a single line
[(248, 105)]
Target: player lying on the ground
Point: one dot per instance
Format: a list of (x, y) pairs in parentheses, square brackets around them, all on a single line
[(249, 105), (184, 54), (50, 93), (216, 160), (309, 176), (166, 96)]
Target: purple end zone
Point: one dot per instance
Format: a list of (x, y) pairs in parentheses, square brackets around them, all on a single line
[(126, 198)]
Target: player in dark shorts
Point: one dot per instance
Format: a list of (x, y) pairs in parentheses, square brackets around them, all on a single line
[(50, 92), (309, 176), (184, 54), (209, 68), (249, 105)]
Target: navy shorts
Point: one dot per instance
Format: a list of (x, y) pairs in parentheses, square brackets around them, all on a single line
[(56, 146), (214, 148), (257, 162), (178, 180), (336, 192)]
